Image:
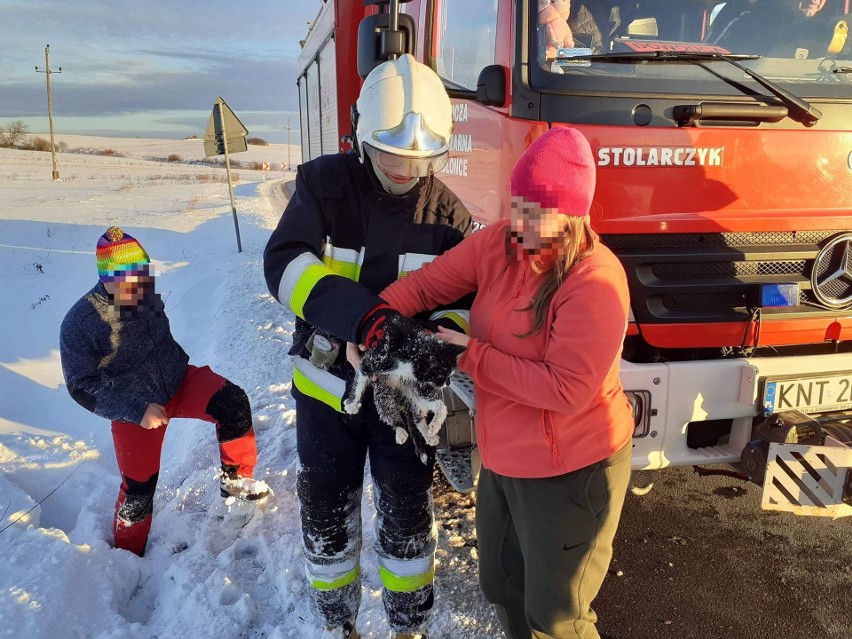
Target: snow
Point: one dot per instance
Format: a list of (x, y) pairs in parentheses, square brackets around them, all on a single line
[(214, 567)]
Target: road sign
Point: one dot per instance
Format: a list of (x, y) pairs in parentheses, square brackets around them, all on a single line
[(225, 134), (235, 145), (229, 124), (265, 166)]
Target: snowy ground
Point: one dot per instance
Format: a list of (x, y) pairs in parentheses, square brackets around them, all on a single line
[(213, 569)]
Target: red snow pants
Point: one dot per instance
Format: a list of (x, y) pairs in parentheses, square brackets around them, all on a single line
[(138, 449)]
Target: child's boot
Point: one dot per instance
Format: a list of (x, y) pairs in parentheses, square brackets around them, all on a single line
[(245, 488)]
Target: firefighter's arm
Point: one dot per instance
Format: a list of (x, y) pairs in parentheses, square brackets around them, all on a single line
[(454, 319), (81, 357), (455, 315), (298, 278), (444, 280), (585, 339)]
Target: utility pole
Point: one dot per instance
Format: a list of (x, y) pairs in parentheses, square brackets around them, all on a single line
[(47, 71), (289, 128)]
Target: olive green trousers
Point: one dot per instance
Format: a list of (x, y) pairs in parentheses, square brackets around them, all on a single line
[(545, 546)]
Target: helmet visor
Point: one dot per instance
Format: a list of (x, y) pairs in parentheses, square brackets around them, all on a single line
[(405, 167)]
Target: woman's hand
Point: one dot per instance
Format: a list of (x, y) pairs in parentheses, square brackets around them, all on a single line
[(453, 337)]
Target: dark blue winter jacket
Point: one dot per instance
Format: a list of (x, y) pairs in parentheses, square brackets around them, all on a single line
[(115, 364)]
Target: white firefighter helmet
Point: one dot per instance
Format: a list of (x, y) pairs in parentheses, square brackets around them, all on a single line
[(404, 122)]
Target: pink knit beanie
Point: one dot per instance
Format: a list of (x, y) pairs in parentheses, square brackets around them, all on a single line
[(557, 171)]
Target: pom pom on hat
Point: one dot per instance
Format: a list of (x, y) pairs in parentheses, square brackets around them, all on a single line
[(118, 252), (557, 171)]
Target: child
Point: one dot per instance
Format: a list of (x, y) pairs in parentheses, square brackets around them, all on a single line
[(121, 362)]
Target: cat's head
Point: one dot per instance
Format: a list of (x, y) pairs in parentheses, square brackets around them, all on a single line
[(416, 354), (433, 363)]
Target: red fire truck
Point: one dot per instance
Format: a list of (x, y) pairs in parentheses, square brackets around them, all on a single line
[(724, 186)]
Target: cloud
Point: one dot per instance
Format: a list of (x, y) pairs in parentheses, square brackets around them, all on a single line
[(259, 84), (120, 57)]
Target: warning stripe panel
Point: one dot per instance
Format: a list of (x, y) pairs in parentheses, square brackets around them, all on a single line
[(807, 480)]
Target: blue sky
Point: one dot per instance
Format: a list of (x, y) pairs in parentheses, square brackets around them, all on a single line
[(152, 68)]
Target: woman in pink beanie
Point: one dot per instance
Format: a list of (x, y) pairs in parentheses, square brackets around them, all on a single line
[(552, 422)]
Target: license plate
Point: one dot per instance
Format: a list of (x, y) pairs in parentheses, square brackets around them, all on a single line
[(809, 394)]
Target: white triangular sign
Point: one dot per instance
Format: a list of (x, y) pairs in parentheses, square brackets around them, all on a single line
[(230, 123)]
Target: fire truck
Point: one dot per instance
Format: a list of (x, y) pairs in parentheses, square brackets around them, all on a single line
[(724, 186)]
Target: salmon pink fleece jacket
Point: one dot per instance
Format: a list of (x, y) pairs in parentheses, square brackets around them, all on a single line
[(549, 403)]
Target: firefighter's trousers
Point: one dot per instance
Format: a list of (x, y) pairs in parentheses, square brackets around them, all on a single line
[(333, 448), (202, 395), (545, 546)]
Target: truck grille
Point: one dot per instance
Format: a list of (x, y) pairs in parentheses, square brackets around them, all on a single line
[(716, 277)]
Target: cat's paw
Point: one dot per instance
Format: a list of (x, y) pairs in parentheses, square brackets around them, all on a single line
[(351, 407)]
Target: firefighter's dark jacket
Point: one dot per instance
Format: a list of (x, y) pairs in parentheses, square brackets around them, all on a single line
[(342, 240)]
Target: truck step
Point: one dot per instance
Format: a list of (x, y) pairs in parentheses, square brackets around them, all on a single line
[(457, 467), (462, 386)]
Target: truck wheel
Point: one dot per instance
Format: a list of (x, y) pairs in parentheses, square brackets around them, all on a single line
[(640, 482)]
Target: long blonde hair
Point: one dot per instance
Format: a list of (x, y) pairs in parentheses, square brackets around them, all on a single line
[(577, 246)]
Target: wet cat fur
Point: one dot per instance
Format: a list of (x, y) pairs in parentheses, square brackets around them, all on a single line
[(410, 365)]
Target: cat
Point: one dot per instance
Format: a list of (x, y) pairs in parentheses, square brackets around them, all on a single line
[(406, 369)]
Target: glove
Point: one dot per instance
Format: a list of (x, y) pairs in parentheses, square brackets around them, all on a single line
[(372, 328)]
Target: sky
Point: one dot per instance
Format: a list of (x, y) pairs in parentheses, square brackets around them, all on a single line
[(214, 568), (153, 68)]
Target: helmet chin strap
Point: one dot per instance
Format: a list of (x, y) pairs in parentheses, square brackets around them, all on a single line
[(394, 188)]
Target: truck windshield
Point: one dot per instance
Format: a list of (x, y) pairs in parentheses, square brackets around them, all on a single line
[(800, 44)]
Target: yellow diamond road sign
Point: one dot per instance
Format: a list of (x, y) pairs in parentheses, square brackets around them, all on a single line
[(229, 123)]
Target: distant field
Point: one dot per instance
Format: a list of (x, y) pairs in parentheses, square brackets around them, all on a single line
[(129, 181), (146, 148)]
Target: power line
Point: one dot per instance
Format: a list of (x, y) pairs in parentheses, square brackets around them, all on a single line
[(48, 72), (41, 501)]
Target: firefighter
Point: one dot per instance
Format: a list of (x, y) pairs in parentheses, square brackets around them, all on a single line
[(787, 28), (357, 222)]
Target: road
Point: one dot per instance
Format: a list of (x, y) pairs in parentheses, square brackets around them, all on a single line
[(696, 558)]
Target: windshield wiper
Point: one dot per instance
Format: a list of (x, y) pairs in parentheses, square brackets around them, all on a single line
[(807, 114)]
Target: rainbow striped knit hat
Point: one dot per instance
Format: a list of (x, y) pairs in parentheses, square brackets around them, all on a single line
[(118, 252)]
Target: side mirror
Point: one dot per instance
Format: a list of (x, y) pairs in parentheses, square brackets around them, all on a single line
[(491, 86), (376, 40)]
